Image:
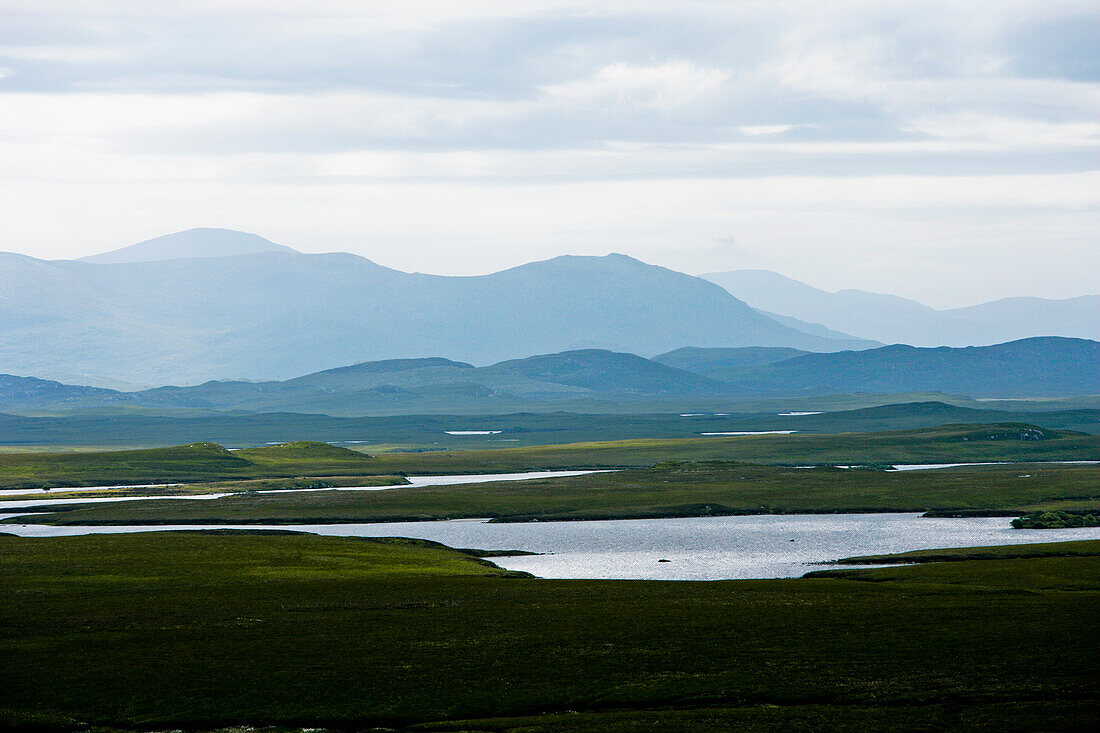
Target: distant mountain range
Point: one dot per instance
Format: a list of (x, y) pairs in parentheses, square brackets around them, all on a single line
[(215, 304), (891, 319), (169, 311), (594, 379), (1035, 367)]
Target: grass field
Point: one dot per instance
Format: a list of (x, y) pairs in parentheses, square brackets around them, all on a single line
[(207, 462), (126, 428), (199, 631), (198, 462), (1078, 548), (214, 487), (674, 489), (942, 444)]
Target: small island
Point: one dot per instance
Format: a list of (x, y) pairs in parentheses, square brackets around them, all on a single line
[(1055, 520)]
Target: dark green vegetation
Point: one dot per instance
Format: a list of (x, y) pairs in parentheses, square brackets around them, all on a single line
[(1054, 565), (1077, 548), (678, 489), (211, 462), (1055, 519), (942, 444), (187, 630), (185, 464)]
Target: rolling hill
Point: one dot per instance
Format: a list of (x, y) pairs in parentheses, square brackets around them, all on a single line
[(594, 380)]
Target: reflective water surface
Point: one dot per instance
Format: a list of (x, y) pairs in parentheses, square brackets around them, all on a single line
[(704, 548)]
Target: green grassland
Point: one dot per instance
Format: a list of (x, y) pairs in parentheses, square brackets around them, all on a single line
[(205, 630), (941, 444), (207, 462), (1076, 548), (198, 462), (216, 487), (674, 489), (118, 428)]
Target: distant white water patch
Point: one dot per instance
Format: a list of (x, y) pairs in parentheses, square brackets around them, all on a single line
[(753, 432), (412, 482), (931, 466), (473, 432), (74, 489), (798, 414)]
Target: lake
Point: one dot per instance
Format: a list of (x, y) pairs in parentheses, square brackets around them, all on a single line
[(702, 548), (413, 482)]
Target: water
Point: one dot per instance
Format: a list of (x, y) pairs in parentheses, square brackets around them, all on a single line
[(29, 492), (930, 466), (754, 432), (703, 548), (413, 482)]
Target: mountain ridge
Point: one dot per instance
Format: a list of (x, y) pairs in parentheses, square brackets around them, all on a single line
[(280, 313), (1040, 367), (892, 319)]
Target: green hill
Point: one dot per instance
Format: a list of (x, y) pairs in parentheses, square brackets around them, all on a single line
[(177, 464)]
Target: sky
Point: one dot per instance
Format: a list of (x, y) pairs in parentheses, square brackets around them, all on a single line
[(943, 151)]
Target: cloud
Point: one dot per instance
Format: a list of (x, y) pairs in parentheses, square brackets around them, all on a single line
[(1009, 132), (662, 87), (791, 120)]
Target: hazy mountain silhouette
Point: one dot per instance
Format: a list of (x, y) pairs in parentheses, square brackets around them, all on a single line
[(891, 319), (725, 364), (279, 313), (200, 242)]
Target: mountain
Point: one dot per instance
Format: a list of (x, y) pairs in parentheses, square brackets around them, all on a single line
[(30, 393), (816, 329), (594, 380), (891, 319), (279, 313), (414, 385), (1073, 317), (611, 374), (1035, 367), (884, 318), (201, 242), (725, 364), (421, 384)]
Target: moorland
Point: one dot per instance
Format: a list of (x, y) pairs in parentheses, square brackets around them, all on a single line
[(212, 363), (200, 631)]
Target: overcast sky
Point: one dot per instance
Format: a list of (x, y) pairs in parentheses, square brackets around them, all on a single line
[(942, 151)]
